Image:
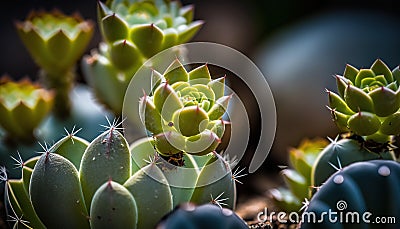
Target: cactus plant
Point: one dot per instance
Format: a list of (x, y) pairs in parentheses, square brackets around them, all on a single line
[(23, 106), (56, 42), (357, 189), (367, 102), (133, 31), (184, 110), (298, 178), (191, 216), (106, 184), (367, 106), (340, 153)]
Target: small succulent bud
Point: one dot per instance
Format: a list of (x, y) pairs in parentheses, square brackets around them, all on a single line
[(23, 105), (184, 112), (55, 41)]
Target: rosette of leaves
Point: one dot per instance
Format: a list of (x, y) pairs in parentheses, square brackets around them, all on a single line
[(56, 42), (23, 105), (298, 177), (368, 102), (184, 111), (133, 31)]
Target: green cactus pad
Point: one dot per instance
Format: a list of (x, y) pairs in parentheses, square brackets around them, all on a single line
[(215, 180), (72, 148), (358, 189), (107, 157), (153, 197), (55, 183), (198, 217), (113, 206), (340, 153)]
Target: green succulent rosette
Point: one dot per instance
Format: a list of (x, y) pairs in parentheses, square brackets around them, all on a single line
[(184, 110), (56, 42), (23, 105), (368, 102), (133, 31)]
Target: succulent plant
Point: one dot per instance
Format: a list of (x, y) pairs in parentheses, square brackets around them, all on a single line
[(361, 187), (184, 111), (23, 105), (191, 216), (133, 31), (107, 184), (298, 178), (368, 102), (56, 42), (341, 153)]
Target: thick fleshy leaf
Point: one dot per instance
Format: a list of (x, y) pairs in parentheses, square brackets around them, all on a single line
[(295, 181), (175, 73), (55, 183), (218, 86), (35, 45), (219, 108), (72, 148), (362, 74), (124, 55), (114, 28), (350, 73), (340, 119), (386, 102), (113, 206), (391, 125), (342, 84), (187, 12), (170, 38), (215, 179), (59, 46), (396, 75), (150, 115), (337, 103), (107, 156), (380, 68), (200, 75), (187, 32), (190, 120), (21, 203), (364, 123), (166, 101), (357, 99), (169, 143), (153, 201), (148, 38), (203, 143)]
